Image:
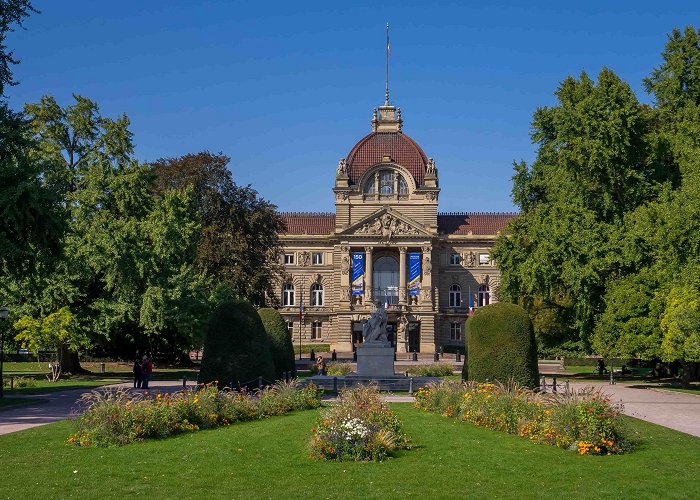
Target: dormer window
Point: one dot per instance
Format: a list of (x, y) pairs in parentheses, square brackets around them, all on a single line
[(386, 182)]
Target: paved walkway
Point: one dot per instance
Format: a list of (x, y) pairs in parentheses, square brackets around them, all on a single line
[(676, 410), (53, 407)]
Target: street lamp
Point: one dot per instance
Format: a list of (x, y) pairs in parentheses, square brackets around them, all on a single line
[(4, 311)]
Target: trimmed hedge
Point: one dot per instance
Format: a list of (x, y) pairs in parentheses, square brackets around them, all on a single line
[(501, 346), (280, 341), (236, 347)]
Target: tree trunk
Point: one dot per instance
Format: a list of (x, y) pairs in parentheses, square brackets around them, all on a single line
[(685, 379), (70, 363)]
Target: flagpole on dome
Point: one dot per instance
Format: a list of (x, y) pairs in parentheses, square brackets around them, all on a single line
[(388, 53)]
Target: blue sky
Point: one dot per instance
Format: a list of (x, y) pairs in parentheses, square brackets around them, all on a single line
[(287, 88)]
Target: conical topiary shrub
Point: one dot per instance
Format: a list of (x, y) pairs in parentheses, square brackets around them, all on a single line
[(236, 347), (280, 341)]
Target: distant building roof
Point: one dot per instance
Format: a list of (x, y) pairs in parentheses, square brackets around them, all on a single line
[(309, 222), (478, 223)]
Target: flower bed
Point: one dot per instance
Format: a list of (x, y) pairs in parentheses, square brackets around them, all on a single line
[(359, 427), (584, 421), (114, 418)]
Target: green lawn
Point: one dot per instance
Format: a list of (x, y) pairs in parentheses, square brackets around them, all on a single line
[(268, 459)]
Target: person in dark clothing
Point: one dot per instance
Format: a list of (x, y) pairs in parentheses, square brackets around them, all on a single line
[(138, 374), (601, 367), (146, 370), (334, 356)]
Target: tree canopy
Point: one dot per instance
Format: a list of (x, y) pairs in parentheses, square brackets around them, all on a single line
[(606, 251)]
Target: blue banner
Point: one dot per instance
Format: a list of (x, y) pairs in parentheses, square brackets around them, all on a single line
[(414, 260), (358, 273)]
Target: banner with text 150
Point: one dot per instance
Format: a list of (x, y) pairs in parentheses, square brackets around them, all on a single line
[(358, 273)]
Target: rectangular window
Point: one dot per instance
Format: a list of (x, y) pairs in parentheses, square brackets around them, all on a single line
[(455, 331), (290, 327), (317, 258), (289, 259), (455, 259), (316, 328), (484, 259)]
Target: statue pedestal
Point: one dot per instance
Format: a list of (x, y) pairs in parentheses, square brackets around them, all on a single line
[(375, 360)]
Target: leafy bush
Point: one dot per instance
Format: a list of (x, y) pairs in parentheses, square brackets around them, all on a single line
[(236, 347), (584, 421), (359, 427), (118, 417), (434, 370), (280, 341), (20, 382), (335, 369), (501, 346)]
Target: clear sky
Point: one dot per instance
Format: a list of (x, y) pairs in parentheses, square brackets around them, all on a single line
[(287, 88)]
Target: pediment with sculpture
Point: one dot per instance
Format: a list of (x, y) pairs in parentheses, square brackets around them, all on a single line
[(388, 225)]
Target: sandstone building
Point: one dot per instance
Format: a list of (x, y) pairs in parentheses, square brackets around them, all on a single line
[(387, 242)]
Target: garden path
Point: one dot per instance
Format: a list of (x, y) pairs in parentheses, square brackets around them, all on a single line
[(52, 407), (676, 410)]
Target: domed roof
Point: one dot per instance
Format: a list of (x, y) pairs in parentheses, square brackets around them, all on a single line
[(374, 147)]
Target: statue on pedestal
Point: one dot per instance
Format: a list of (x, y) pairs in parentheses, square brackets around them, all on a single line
[(374, 329)]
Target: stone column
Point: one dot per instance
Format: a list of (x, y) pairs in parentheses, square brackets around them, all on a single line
[(368, 275), (402, 275)]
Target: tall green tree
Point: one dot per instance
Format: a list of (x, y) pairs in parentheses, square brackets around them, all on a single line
[(239, 244), (594, 164)]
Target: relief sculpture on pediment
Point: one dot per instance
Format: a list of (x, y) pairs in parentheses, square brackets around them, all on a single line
[(387, 226)]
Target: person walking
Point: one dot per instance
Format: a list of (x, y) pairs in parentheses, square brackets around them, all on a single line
[(138, 374), (147, 370)]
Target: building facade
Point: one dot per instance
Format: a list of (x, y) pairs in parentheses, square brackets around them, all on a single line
[(387, 243)]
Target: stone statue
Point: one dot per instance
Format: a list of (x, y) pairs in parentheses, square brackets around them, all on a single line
[(374, 329), (431, 169), (345, 265), (342, 167)]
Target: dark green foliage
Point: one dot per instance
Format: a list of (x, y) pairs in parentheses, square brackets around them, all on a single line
[(280, 341), (501, 345), (236, 347)]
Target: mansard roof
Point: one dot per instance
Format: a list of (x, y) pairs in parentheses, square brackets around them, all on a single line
[(399, 147), (308, 222), (477, 223)]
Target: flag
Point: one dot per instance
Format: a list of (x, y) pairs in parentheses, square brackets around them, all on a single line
[(471, 303), (388, 45)]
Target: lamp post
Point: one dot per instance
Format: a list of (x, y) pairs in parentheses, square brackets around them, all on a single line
[(3, 316)]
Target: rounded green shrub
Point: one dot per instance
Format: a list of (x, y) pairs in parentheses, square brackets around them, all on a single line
[(280, 341), (501, 346), (236, 347)]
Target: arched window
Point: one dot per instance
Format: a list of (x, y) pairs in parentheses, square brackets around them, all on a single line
[(484, 296), (401, 182), (389, 182), (386, 182), (288, 294), (317, 294), (455, 296), (385, 279)]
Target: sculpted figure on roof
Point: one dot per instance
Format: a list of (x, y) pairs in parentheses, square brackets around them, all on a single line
[(342, 167)]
